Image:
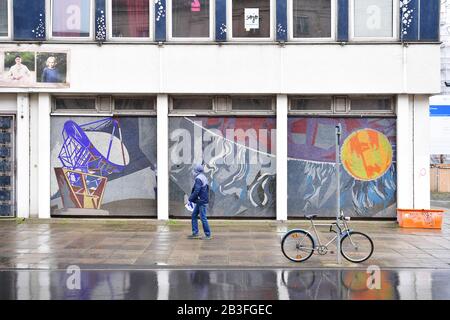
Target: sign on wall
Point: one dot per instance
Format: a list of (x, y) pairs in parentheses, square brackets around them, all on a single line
[(31, 68)]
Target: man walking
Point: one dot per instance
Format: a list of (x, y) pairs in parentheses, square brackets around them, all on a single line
[(200, 196)]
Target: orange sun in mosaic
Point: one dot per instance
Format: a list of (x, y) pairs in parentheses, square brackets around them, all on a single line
[(366, 154)]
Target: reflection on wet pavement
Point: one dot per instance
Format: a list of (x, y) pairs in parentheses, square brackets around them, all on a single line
[(250, 284)]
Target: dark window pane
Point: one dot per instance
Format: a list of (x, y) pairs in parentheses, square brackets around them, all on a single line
[(5, 152), (251, 18), (5, 181), (3, 18), (5, 210), (190, 18), (5, 122), (381, 104), (312, 18), (319, 104), (74, 104), (5, 137), (130, 18), (251, 104), (71, 18), (192, 104), (134, 104), (5, 195), (5, 166)]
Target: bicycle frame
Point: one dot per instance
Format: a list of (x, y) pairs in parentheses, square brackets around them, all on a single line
[(342, 230)]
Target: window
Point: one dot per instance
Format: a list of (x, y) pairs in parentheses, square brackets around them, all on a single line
[(191, 18), (192, 103), (311, 104), (130, 19), (251, 18), (4, 21), (105, 104), (373, 18), (74, 104), (134, 104), (383, 104), (342, 105), (313, 19), (251, 104), (223, 105), (71, 18)]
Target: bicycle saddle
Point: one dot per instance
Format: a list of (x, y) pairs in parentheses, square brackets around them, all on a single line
[(311, 216)]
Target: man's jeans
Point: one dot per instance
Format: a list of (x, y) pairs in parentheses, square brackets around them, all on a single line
[(200, 209)]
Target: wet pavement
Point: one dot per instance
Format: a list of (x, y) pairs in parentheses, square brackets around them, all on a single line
[(57, 243), (262, 284)]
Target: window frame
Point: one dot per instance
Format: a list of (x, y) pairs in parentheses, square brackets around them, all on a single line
[(97, 110), (395, 21), (49, 13), (222, 106), (391, 111), (110, 37), (348, 111), (9, 26), (191, 112), (136, 112), (229, 19), (212, 28), (290, 18)]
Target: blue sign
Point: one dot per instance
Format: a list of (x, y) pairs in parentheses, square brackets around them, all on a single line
[(439, 111)]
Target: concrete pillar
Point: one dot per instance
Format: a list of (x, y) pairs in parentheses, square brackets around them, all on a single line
[(162, 112), (282, 156), (421, 118), (44, 155), (404, 152), (23, 156)]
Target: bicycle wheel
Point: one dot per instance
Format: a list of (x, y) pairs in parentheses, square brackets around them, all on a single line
[(356, 246), (297, 245), (298, 280)]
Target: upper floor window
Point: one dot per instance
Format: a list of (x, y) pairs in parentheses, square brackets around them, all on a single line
[(4, 19), (130, 19), (313, 19), (374, 19), (72, 18), (251, 18), (191, 19)]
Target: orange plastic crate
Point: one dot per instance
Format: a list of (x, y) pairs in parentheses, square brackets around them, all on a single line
[(420, 218)]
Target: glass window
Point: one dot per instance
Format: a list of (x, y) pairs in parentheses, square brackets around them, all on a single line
[(3, 18), (312, 18), (130, 18), (192, 103), (71, 18), (251, 18), (373, 18), (311, 104), (142, 104), (74, 103), (251, 104), (371, 104), (190, 18)]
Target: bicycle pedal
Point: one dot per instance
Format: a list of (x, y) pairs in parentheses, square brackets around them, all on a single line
[(331, 252)]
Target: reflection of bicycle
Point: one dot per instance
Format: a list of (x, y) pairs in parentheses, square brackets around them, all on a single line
[(298, 245)]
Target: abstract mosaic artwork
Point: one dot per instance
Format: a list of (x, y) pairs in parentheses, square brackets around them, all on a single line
[(368, 166)]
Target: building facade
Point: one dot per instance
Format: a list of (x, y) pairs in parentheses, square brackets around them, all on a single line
[(105, 106)]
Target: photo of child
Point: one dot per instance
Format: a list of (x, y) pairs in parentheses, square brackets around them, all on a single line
[(51, 67), (50, 73), (18, 69)]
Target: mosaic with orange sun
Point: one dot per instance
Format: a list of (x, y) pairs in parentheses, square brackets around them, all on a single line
[(366, 154)]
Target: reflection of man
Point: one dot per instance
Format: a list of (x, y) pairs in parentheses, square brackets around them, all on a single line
[(19, 71)]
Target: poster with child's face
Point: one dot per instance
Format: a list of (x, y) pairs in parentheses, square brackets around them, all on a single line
[(17, 69), (34, 69), (51, 67)]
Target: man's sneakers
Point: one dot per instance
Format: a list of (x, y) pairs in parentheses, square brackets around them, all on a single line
[(206, 238), (194, 236)]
